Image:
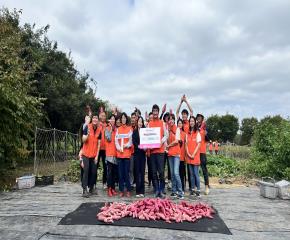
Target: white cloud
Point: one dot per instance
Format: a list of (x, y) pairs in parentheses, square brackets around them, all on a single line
[(227, 56)]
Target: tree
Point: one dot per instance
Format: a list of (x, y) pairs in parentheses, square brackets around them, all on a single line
[(229, 125), (222, 128), (247, 129), (213, 124), (20, 111)]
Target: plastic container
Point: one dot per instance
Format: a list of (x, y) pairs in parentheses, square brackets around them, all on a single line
[(25, 182), (268, 188)]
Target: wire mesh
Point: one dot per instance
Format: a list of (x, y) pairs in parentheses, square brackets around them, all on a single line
[(53, 150)]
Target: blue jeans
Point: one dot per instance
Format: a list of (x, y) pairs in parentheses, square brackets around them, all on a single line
[(124, 168), (174, 162), (194, 176)]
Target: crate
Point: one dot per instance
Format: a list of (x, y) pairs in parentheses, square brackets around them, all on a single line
[(284, 189), (268, 188), (25, 182), (44, 180)]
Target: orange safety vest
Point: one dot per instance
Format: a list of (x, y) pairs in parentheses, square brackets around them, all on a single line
[(216, 146), (157, 123), (186, 126), (111, 146), (90, 147), (182, 148), (103, 140), (175, 150), (191, 145), (210, 146), (203, 142), (123, 134)]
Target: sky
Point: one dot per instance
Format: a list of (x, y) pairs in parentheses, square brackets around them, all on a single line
[(226, 56)]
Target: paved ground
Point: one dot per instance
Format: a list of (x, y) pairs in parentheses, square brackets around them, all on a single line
[(35, 213)]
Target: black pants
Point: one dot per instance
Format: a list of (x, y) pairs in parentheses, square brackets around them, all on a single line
[(112, 171), (150, 177), (102, 157), (203, 161), (168, 167), (89, 173), (188, 177), (182, 174), (157, 160), (139, 167)]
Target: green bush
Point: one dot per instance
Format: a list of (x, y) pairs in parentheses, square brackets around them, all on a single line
[(220, 166), (271, 151), (73, 172)]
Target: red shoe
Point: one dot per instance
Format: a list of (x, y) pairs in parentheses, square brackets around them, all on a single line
[(128, 194), (110, 194), (114, 192), (121, 194)]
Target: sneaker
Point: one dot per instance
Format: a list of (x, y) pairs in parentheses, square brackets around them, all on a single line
[(114, 192), (192, 192), (141, 195), (85, 193), (206, 192), (138, 195), (173, 195), (157, 195), (128, 194), (93, 191), (180, 196), (197, 193), (105, 187), (161, 195), (109, 192), (169, 186)]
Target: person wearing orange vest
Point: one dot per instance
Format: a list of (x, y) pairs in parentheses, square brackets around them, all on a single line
[(123, 141), (139, 159), (90, 152), (150, 175), (102, 155), (216, 147), (111, 154), (201, 126), (210, 147), (193, 142), (173, 149), (184, 113), (182, 171), (157, 154)]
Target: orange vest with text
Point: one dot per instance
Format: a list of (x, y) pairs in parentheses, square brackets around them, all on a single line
[(175, 150), (90, 147), (110, 145), (157, 123), (191, 145), (203, 142), (125, 131)]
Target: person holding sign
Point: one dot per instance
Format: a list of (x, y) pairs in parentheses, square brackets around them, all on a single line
[(157, 152), (123, 141), (173, 149)]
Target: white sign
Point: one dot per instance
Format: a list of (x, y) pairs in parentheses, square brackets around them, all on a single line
[(150, 138)]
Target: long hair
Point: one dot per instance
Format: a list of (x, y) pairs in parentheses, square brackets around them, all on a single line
[(126, 116), (143, 124), (194, 129), (180, 120)]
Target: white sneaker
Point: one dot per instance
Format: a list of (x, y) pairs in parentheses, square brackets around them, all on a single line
[(105, 187), (138, 196)]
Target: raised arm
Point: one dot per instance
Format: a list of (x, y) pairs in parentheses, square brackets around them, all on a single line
[(189, 107)]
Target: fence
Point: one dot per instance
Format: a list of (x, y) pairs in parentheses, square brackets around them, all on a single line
[(53, 149)]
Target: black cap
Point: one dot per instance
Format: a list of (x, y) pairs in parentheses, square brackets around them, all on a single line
[(199, 115)]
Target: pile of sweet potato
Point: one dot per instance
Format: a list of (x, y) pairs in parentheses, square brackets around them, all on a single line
[(155, 209)]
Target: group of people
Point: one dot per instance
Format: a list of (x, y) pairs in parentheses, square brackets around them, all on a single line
[(115, 142)]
